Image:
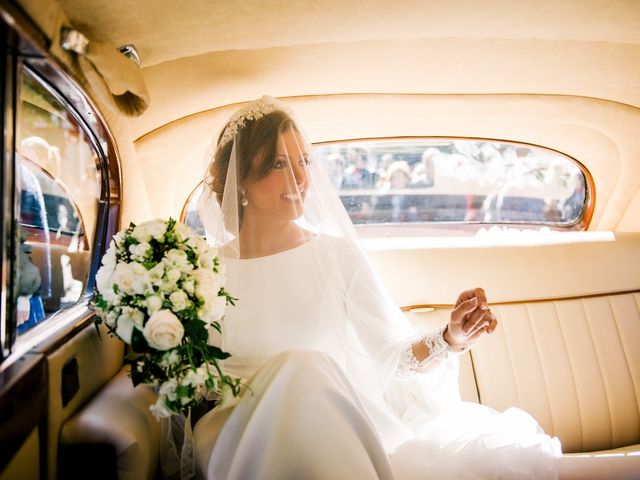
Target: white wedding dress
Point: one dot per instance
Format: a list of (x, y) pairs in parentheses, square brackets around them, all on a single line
[(315, 409)]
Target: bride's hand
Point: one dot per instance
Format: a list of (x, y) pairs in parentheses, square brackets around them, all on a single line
[(471, 318)]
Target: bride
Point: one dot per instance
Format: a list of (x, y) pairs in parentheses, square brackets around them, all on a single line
[(338, 383)]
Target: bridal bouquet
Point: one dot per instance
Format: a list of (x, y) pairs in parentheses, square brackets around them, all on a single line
[(160, 289)]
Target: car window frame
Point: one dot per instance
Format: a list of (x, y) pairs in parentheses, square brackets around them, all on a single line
[(30, 50)]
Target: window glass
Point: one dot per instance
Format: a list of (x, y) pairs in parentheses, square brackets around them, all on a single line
[(58, 190), (448, 187), (454, 181)]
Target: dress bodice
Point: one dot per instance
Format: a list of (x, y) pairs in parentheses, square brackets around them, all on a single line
[(279, 307)]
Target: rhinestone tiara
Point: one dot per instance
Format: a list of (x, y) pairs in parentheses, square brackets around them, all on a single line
[(252, 111)]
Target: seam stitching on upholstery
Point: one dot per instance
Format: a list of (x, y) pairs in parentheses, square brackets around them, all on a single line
[(541, 365), (624, 351), (573, 375), (604, 382), (513, 372)]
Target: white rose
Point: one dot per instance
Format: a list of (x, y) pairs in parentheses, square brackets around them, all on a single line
[(154, 275), (110, 296), (188, 286), (132, 314), (183, 232), (125, 327), (156, 228), (175, 258), (140, 283), (179, 300), (109, 258), (173, 275), (163, 330), (123, 276), (207, 283), (103, 278), (141, 233), (213, 310), (154, 303), (199, 244), (140, 250), (206, 259)]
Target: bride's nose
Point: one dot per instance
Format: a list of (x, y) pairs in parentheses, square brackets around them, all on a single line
[(300, 176)]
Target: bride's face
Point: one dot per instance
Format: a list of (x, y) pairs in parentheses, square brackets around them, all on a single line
[(281, 193)]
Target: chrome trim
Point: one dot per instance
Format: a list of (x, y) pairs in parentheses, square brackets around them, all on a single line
[(7, 188), (131, 52)]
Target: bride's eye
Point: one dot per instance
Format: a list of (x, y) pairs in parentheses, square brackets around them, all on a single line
[(305, 160), (280, 163)]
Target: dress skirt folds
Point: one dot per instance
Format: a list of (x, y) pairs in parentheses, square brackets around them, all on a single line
[(318, 345), (299, 418)]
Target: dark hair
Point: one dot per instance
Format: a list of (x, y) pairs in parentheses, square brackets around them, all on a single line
[(256, 147)]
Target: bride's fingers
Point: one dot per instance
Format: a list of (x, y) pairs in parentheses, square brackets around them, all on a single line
[(486, 326), (477, 319), (461, 311), (492, 324), (469, 294)]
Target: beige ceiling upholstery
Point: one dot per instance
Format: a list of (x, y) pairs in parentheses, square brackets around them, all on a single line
[(165, 30), (565, 75)]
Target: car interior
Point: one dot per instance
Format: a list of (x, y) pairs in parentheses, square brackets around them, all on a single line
[(499, 142)]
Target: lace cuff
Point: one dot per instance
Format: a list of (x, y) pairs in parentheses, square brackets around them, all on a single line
[(438, 347)]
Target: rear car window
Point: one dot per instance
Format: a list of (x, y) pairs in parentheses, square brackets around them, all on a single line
[(436, 186)]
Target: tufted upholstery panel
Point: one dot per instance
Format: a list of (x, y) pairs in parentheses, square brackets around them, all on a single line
[(573, 364), (567, 349)]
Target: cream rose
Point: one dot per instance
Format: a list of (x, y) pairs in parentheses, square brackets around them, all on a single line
[(206, 259), (163, 330), (213, 309), (141, 233), (103, 278), (132, 314), (207, 283), (179, 300), (139, 251), (155, 274), (188, 286), (125, 327), (124, 276), (178, 259), (173, 275), (154, 303), (156, 228)]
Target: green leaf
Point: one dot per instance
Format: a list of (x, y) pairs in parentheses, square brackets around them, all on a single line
[(196, 330), (138, 342), (215, 352)]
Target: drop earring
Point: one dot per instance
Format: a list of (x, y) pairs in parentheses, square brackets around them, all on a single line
[(243, 197)]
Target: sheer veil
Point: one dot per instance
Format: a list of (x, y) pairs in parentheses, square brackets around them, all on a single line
[(266, 198), (265, 193)]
